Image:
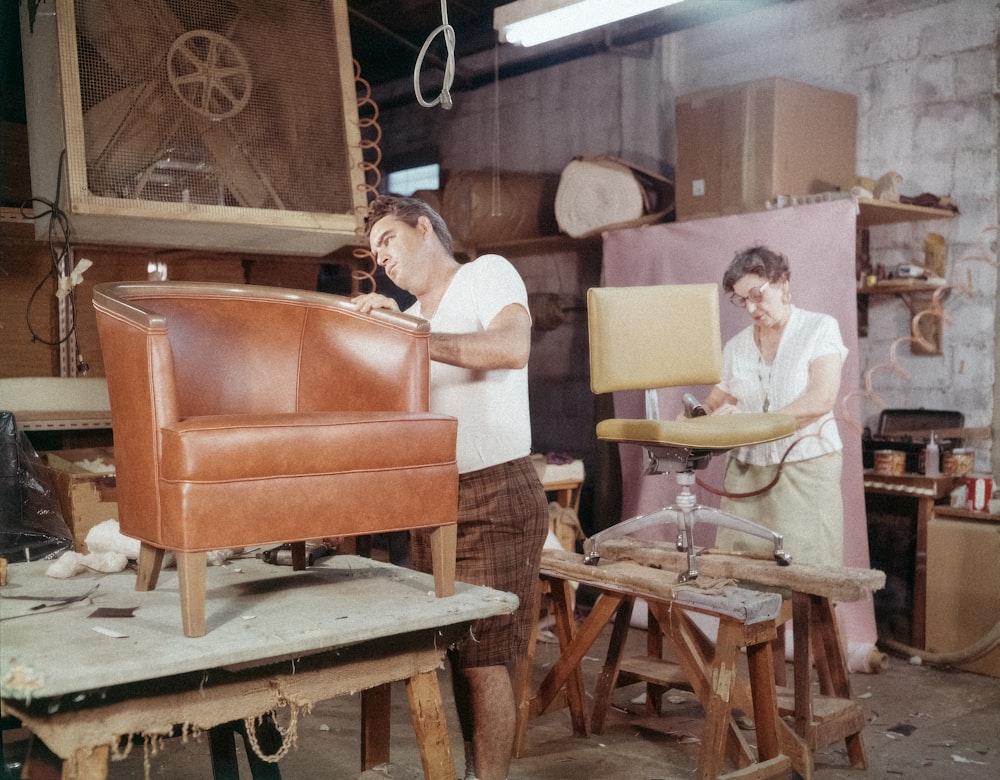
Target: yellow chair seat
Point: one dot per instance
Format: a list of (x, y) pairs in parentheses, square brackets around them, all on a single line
[(722, 432)]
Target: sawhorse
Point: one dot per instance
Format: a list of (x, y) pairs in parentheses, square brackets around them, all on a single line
[(747, 622)]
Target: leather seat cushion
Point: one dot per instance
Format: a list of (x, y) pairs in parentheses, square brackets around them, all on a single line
[(240, 447), (235, 481)]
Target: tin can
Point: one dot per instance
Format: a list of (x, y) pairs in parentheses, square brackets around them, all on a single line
[(958, 462), (980, 489), (891, 462)]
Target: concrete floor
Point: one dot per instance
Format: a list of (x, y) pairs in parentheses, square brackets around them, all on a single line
[(922, 723)]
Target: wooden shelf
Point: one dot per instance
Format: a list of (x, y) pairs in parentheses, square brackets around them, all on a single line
[(540, 245), (955, 513), (885, 212), (901, 286)]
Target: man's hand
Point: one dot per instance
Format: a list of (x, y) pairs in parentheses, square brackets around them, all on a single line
[(369, 301)]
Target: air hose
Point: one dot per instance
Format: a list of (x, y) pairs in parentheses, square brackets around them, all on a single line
[(979, 648)]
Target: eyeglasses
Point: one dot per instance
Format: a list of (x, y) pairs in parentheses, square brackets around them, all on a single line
[(754, 295)]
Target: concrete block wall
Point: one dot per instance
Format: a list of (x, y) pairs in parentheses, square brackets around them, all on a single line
[(925, 74)]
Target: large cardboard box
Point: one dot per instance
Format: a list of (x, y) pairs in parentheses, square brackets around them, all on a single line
[(742, 145), (963, 584), (84, 480)]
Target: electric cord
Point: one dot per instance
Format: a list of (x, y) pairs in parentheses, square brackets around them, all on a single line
[(977, 649), (752, 493), (774, 481), (59, 239), (444, 97), (58, 251)]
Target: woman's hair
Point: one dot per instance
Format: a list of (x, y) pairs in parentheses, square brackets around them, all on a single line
[(757, 260), (408, 210)]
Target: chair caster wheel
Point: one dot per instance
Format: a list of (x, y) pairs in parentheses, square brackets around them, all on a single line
[(687, 576), (783, 558)]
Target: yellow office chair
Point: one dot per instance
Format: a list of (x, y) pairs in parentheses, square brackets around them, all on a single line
[(644, 338)]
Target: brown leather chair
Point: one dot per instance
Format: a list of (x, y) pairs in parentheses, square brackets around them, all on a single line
[(248, 416)]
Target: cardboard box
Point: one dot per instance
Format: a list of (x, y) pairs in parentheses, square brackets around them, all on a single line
[(87, 496), (963, 586), (742, 145)]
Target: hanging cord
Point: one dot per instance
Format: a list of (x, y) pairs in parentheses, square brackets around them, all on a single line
[(496, 210), (444, 98), (59, 243)]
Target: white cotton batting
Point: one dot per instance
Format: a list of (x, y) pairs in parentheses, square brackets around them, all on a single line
[(70, 563), (107, 537)]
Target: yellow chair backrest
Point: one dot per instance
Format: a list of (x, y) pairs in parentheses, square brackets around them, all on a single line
[(654, 336)]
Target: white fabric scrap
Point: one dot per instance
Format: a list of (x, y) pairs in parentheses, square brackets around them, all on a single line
[(71, 563), (107, 537), (109, 550)]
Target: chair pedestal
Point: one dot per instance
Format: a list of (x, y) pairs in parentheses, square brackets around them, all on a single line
[(685, 514)]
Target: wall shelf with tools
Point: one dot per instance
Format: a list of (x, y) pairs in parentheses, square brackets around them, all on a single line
[(918, 294)]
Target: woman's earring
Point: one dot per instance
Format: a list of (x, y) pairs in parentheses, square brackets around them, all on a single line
[(786, 297)]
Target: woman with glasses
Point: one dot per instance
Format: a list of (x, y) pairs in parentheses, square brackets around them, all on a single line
[(788, 361)]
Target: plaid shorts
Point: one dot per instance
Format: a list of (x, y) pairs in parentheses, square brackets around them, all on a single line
[(503, 518)]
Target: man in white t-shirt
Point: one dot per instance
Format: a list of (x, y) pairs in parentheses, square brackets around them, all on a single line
[(479, 345)]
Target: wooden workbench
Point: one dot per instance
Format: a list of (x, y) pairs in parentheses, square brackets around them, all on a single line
[(280, 641)]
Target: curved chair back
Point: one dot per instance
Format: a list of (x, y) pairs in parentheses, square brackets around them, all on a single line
[(656, 336)]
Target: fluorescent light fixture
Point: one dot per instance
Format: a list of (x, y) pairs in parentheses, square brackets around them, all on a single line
[(530, 22)]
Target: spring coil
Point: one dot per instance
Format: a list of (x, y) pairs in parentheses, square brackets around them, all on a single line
[(364, 266)]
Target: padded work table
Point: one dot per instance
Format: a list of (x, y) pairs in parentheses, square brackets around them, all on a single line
[(276, 639), (747, 621)]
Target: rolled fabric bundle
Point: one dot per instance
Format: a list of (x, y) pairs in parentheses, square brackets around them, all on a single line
[(431, 197), (605, 193), (483, 208)]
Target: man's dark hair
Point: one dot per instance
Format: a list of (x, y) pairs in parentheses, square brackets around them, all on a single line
[(408, 210)]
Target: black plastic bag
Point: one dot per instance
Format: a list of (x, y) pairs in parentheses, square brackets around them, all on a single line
[(32, 526)]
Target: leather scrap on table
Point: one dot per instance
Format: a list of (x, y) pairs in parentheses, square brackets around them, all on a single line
[(930, 200)]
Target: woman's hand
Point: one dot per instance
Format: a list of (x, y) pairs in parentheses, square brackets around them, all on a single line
[(719, 402), (369, 301)]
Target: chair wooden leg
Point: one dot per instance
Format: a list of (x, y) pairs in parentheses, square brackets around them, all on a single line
[(444, 541), (150, 562), (192, 582)]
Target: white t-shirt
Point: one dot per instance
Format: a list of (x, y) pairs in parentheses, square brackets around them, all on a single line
[(494, 424), (807, 336)]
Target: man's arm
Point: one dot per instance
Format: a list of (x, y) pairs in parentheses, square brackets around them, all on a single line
[(506, 343)]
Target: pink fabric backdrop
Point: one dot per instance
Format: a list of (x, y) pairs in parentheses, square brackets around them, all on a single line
[(819, 242)]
